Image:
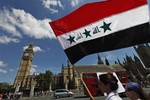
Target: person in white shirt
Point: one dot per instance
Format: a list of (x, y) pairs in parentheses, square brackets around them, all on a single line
[(108, 84)]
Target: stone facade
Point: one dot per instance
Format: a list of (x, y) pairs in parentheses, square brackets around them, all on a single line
[(23, 78), (70, 75), (143, 52)]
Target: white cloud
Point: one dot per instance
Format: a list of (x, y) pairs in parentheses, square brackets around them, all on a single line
[(75, 2), (6, 39), (2, 64), (3, 71), (34, 66), (11, 70), (33, 69), (35, 48), (52, 5), (17, 22)]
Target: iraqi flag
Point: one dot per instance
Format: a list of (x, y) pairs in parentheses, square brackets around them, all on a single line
[(103, 26)]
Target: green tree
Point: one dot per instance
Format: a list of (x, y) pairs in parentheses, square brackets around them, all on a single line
[(5, 87), (40, 81), (47, 79), (44, 79)]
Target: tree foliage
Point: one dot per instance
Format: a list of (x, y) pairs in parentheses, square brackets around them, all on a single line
[(44, 79), (5, 87)]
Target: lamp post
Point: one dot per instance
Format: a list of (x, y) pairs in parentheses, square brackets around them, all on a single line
[(50, 88)]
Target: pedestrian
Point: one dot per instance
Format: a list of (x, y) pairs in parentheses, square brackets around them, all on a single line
[(1, 96), (108, 84), (135, 92)]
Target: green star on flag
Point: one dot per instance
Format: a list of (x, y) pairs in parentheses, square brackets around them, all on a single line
[(71, 39), (87, 33), (106, 26)]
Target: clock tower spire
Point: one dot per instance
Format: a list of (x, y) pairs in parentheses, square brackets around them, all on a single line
[(24, 68)]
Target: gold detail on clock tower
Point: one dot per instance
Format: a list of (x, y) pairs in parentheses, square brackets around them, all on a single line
[(24, 68)]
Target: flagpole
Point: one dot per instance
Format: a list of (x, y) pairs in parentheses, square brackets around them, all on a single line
[(91, 97)]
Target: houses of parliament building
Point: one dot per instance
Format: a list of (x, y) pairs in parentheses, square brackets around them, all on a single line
[(137, 69), (69, 77)]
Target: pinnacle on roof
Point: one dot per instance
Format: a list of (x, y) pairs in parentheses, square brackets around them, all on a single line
[(99, 59)]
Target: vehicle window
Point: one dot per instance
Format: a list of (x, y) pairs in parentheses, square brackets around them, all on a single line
[(58, 90), (65, 90), (89, 75)]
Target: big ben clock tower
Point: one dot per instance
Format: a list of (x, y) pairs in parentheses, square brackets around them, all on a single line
[(24, 68)]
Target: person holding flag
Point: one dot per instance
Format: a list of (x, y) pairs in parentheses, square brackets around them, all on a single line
[(108, 84)]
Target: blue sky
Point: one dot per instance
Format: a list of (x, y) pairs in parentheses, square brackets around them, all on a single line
[(26, 21)]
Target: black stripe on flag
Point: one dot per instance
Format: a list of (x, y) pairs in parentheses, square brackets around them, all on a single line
[(121, 39)]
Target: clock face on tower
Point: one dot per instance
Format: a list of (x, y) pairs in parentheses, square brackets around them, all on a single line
[(26, 54)]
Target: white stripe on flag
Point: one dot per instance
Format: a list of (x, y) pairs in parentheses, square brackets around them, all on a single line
[(118, 22)]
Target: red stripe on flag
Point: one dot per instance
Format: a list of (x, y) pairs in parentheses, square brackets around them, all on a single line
[(92, 12)]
